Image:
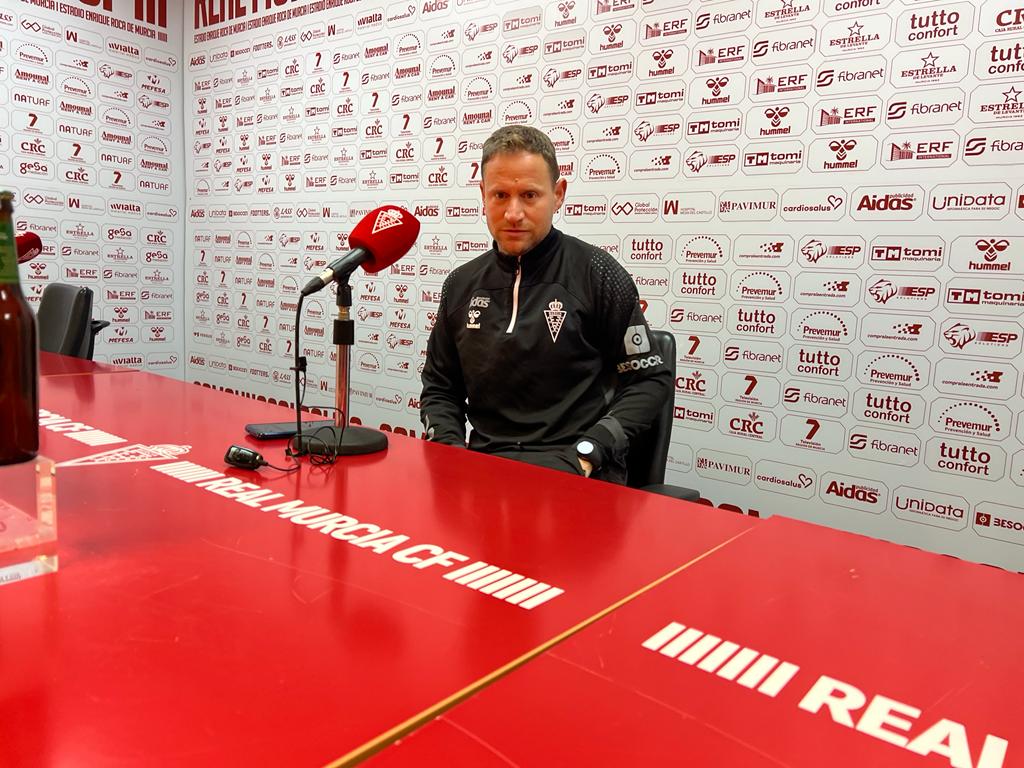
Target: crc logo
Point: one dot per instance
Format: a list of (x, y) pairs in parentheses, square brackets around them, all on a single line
[(751, 424)]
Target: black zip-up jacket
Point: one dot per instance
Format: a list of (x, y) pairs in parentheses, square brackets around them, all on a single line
[(541, 351)]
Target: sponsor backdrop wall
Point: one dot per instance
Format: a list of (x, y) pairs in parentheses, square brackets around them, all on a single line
[(90, 142), (821, 198)]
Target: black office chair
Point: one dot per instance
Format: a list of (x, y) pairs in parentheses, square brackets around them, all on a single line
[(648, 451), (65, 321)]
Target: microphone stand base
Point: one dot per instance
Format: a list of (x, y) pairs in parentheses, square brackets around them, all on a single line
[(350, 441)]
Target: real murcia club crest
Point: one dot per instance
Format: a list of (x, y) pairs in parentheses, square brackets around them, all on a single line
[(386, 219), (555, 316), (129, 454)]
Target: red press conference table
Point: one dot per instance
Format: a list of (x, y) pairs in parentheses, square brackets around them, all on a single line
[(793, 646), (303, 619)]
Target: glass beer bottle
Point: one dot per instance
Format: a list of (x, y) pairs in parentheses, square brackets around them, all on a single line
[(19, 368)]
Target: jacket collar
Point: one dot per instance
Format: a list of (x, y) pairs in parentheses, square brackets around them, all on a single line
[(533, 257)]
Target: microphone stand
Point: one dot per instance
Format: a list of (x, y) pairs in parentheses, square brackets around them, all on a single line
[(343, 439)]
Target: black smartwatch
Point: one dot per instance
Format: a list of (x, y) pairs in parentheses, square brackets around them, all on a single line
[(589, 451)]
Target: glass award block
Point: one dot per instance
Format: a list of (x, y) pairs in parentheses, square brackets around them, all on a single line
[(28, 519)]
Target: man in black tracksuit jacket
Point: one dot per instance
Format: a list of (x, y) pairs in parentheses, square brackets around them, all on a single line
[(540, 342)]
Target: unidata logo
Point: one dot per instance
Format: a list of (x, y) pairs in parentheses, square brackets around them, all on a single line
[(970, 201), (942, 510)]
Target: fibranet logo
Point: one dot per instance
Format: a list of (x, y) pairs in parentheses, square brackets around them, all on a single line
[(745, 354), (784, 46), (819, 398), (994, 146), (943, 106), (858, 75), (727, 18)]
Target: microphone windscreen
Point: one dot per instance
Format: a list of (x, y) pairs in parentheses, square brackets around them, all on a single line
[(386, 233), (28, 246)]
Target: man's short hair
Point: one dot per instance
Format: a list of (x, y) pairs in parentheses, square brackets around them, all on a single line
[(511, 139)]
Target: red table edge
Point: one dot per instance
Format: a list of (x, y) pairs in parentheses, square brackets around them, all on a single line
[(403, 729)]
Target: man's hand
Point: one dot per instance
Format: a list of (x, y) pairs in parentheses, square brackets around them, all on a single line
[(586, 465)]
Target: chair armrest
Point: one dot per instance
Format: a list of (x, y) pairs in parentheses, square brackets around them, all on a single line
[(673, 491)]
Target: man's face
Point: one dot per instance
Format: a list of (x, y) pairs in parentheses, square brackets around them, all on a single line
[(519, 200)]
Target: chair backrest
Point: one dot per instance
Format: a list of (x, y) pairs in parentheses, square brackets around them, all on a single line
[(64, 318), (648, 451)]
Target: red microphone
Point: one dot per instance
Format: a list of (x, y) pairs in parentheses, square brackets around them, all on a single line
[(381, 238), (28, 246)]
